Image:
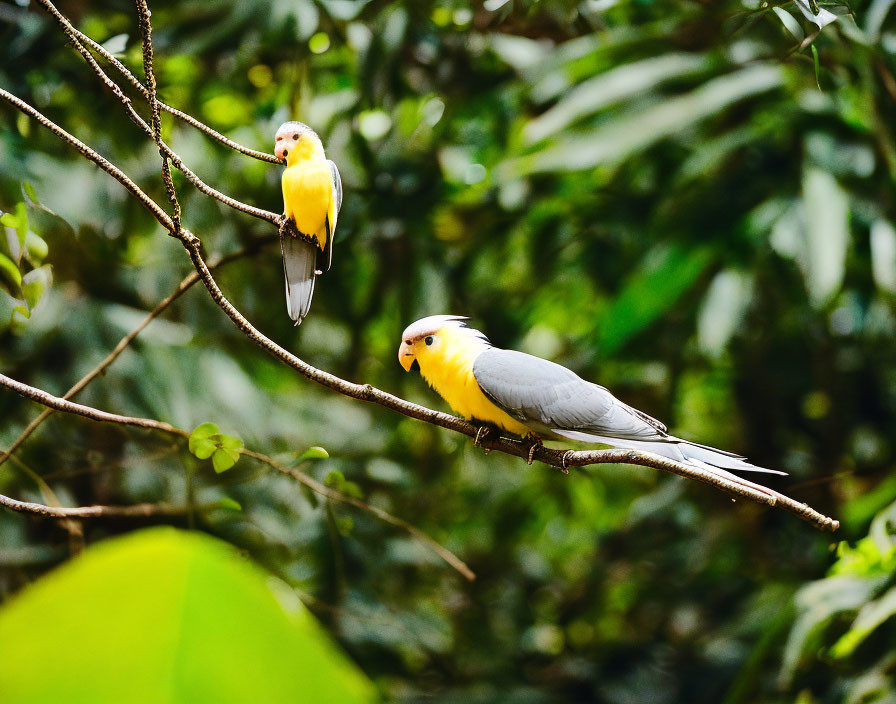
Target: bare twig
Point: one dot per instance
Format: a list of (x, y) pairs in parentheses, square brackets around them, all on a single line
[(143, 21), (366, 392), (182, 287), (135, 511), (132, 79), (59, 404)]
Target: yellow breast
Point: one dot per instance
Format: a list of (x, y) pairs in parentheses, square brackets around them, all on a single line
[(450, 373), (307, 195)]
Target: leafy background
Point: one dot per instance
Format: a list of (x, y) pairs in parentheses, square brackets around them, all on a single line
[(690, 202)]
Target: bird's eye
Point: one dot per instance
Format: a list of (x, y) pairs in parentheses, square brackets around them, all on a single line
[(428, 340), (408, 342), (278, 139), (296, 135)]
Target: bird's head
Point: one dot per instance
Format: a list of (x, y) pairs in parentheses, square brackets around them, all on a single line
[(296, 141), (433, 339)]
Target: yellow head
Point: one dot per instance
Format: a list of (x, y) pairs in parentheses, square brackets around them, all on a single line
[(438, 341), (296, 142)]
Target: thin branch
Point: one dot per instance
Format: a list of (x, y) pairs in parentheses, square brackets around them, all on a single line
[(182, 287), (326, 491), (135, 511), (72, 35), (59, 404), (143, 21), (134, 81), (366, 392)]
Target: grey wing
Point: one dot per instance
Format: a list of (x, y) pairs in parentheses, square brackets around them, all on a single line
[(327, 259), (545, 395)]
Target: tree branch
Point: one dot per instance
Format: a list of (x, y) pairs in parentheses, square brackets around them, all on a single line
[(366, 392), (132, 79), (135, 511), (165, 150), (59, 404)]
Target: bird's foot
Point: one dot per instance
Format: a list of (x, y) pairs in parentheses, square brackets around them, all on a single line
[(481, 434), (534, 443), (564, 461)]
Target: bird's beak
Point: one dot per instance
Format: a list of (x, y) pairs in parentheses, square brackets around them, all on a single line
[(278, 151), (406, 358)]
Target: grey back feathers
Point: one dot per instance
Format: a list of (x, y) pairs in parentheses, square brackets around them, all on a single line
[(554, 400), (299, 262)]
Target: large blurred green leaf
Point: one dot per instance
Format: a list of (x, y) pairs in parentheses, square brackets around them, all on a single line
[(664, 275), (167, 616)]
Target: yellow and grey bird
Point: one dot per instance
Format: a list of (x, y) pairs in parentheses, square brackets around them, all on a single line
[(532, 397), (312, 198)]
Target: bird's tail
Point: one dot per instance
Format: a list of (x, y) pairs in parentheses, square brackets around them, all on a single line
[(299, 262), (719, 461)]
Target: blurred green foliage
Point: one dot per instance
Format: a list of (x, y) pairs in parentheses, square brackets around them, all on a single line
[(167, 616), (691, 203)]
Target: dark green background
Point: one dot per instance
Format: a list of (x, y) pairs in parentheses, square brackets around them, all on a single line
[(675, 199)]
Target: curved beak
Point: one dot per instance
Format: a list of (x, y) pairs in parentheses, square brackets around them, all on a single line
[(406, 357), (280, 149)]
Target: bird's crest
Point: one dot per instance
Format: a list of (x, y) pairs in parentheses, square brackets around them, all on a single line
[(433, 323)]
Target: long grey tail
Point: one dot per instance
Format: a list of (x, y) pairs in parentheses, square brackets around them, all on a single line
[(299, 261), (676, 449)]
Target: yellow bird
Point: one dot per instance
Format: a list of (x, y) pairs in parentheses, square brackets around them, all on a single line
[(534, 398), (312, 198)]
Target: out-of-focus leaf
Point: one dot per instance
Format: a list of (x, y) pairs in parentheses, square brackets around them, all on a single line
[(871, 615), (630, 133), (883, 255), (10, 273), (314, 453), (722, 310), (116, 45), (34, 285), (663, 276), (222, 460), (611, 87), (168, 616), (518, 52), (827, 235), (18, 221), (36, 248), (790, 23), (229, 504)]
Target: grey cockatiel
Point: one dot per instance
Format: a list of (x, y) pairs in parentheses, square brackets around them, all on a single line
[(530, 396), (312, 198)]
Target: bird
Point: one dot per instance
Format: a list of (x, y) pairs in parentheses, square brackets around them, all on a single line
[(540, 400), (312, 199)]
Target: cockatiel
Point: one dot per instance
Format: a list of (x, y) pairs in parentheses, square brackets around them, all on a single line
[(312, 198), (532, 397)]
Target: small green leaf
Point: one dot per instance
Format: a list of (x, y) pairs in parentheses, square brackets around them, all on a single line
[(29, 192), (222, 460), (314, 453), (817, 66), (229, 504), (19, 221), (200, 440), (36, 248), (335, 479), (10, 274), (34, 284), (203, 448), (21, 310), (344, 525), (229, 442)]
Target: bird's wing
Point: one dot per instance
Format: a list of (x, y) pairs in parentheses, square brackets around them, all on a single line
[(332, 215), (540, 393)]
